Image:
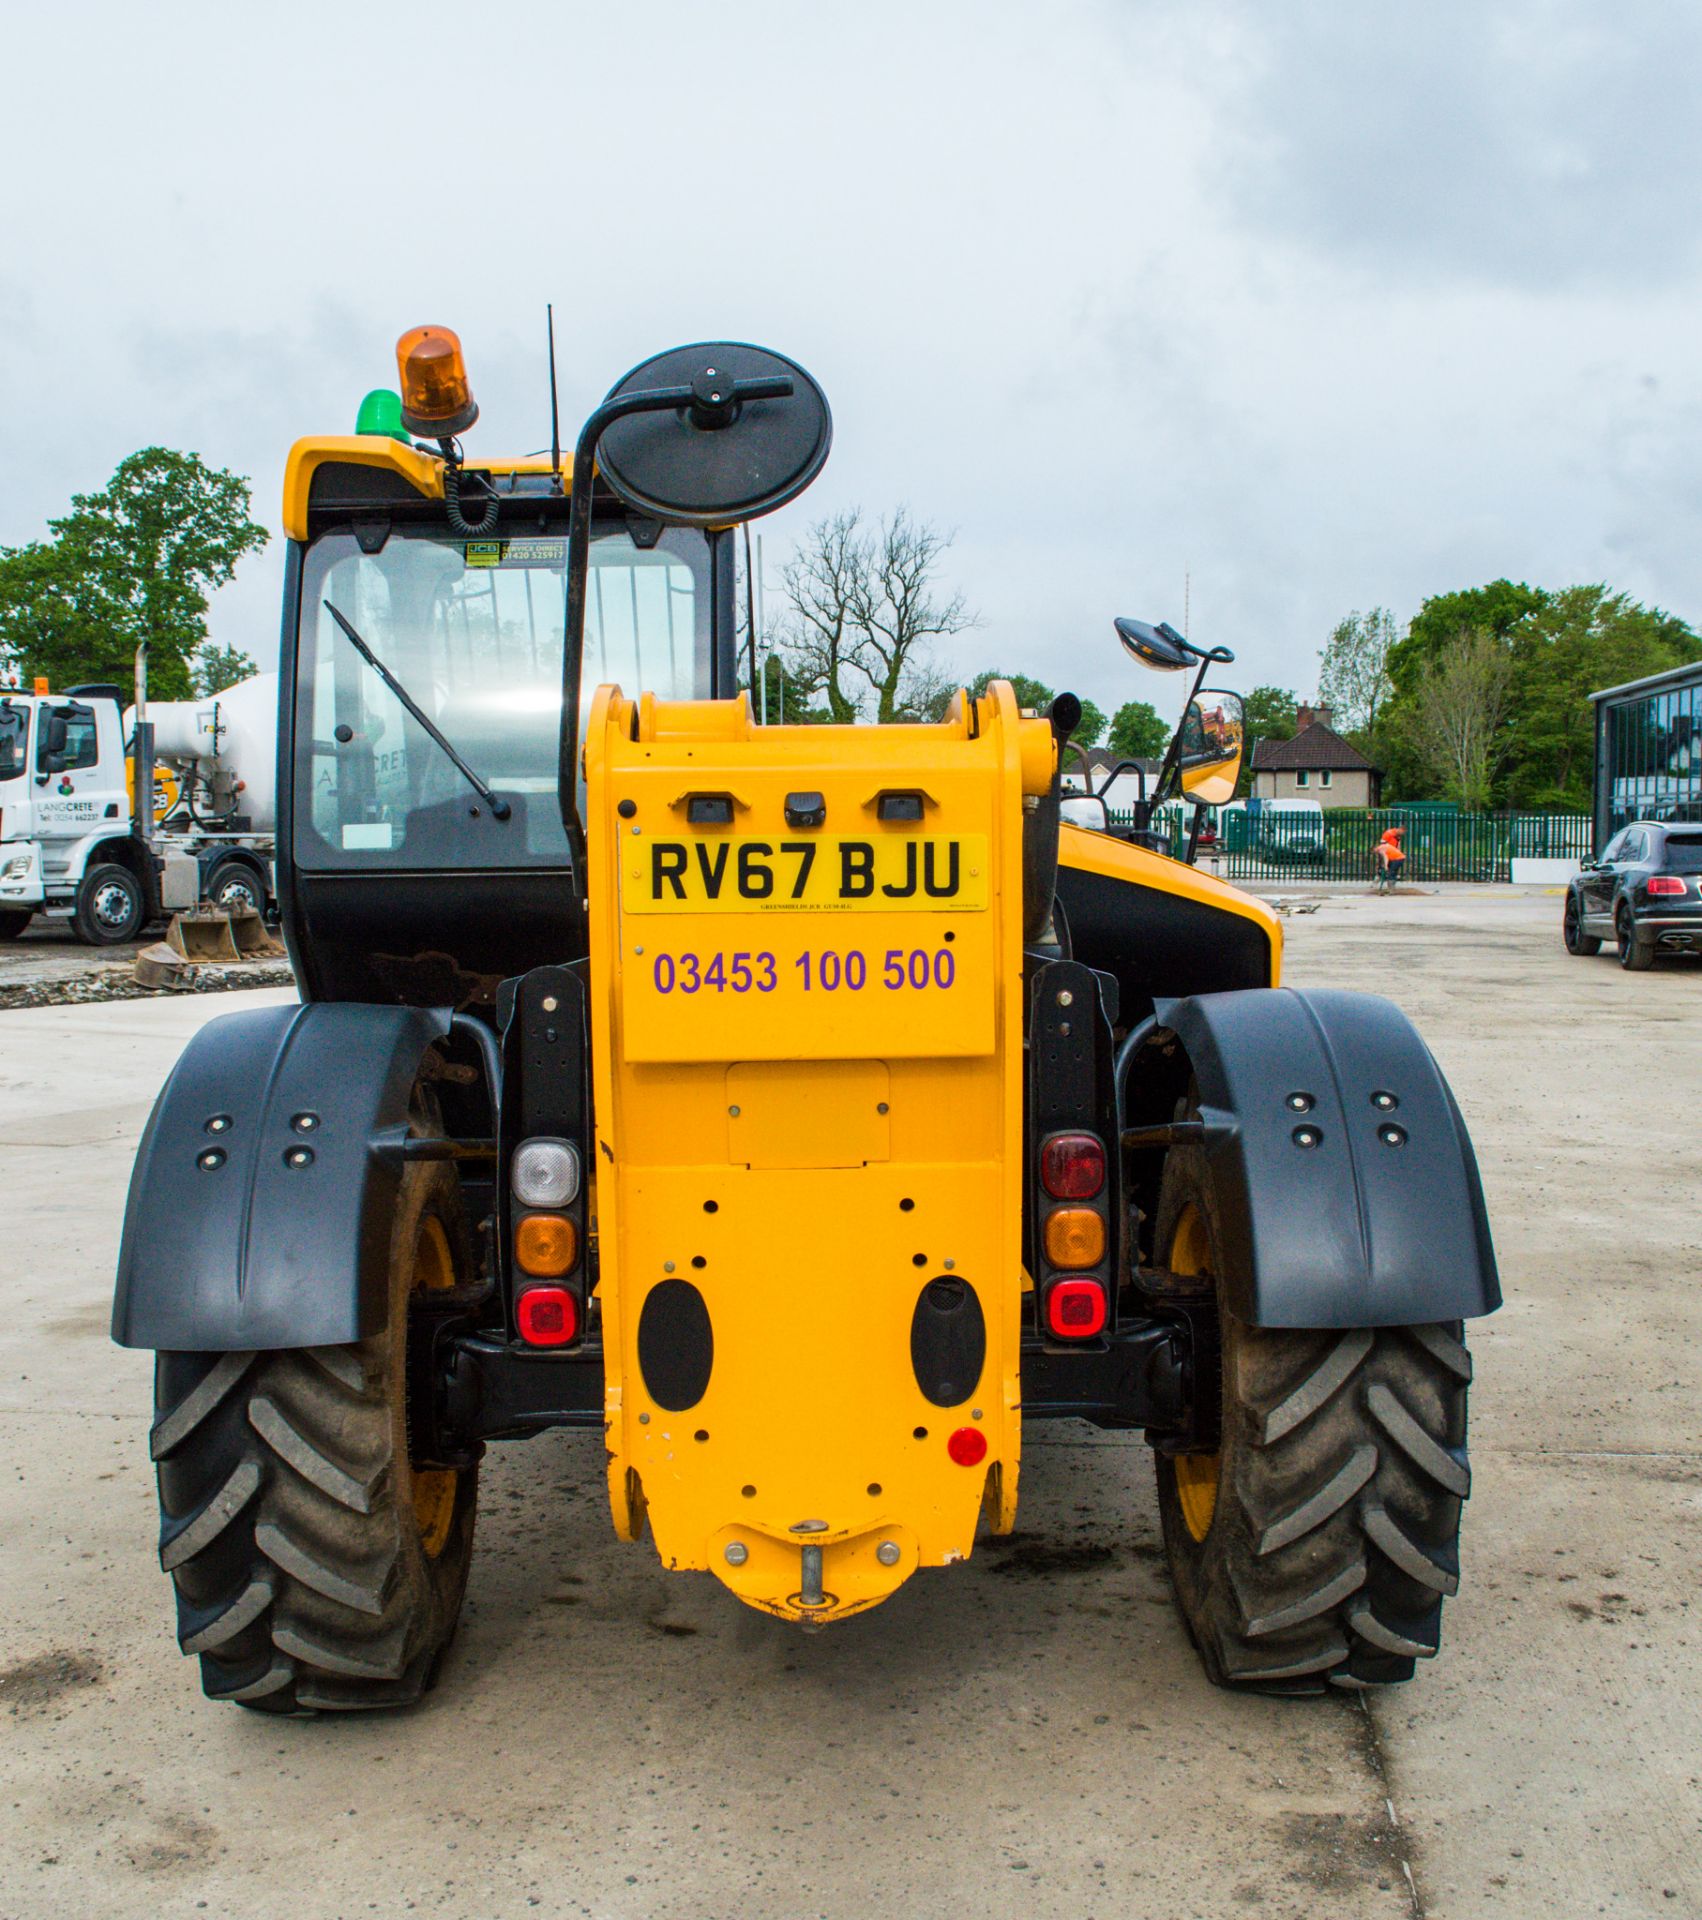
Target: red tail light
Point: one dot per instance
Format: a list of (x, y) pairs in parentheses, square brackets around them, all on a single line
[(1072, 1166), (968, 1446), (548, 1316), (1665, 883), (1075, 1309)]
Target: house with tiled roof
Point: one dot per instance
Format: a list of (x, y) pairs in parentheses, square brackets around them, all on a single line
[(1317, 764)]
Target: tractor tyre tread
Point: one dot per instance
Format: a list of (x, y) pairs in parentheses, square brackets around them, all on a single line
[(1335, 1543), (288, 1523), (1335, 1533)]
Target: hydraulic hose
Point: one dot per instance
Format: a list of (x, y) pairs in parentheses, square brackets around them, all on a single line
[(468, 529)]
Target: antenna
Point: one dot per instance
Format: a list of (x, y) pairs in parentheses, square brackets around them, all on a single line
[(759, 695), (555, 415)]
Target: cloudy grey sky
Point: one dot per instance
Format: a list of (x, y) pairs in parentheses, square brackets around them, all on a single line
[(1326, 304)]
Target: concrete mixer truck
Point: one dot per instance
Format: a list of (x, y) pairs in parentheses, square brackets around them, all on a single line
[(81, 835)]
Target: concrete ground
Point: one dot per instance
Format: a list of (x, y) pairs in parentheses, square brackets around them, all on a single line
[(1027, 1735)]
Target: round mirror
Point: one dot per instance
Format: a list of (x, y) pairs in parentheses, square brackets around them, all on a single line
[(1161, 646), (720, 459), (1213, 734)]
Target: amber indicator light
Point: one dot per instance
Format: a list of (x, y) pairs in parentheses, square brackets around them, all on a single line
[(1075, 1237), (545, 1243)]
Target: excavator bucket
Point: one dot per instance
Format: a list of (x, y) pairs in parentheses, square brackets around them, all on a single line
[(204, 934)]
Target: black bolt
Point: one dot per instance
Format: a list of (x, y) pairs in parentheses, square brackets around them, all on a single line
[(1392, 1136), (627, 809), (299, 1157), (1307, 1137), (1384, 1102), (211, 1160), (305, 1122), (1300, 1103)]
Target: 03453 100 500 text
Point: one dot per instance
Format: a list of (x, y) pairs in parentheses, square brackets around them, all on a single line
[(824, 970)]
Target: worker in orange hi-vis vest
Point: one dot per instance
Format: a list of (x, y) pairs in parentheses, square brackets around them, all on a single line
[(1391, 858)]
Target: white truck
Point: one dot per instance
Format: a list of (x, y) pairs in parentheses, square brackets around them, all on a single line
[(71, 842)]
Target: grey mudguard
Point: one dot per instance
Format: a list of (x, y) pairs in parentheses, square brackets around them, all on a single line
[(254, 1252), (1352, 1231)]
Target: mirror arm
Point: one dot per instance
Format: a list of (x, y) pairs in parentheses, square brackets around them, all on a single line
[(1194, 833), (1173, 753), (658, 400)]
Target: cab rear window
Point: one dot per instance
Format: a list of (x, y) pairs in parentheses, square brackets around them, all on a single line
[(1684, 853)]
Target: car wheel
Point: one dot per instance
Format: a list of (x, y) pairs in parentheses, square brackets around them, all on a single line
[(1636, 951), (1572, 930)]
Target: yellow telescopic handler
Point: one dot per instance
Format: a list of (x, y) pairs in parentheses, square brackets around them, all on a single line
[(806, 1110)]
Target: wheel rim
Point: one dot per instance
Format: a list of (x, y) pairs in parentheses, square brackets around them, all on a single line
[(1196, 1473), (1571, 923), (237, 893), (1622, 935), (434, 1488), (112, 904)]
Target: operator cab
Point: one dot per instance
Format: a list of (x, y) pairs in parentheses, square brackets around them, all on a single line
[(455, 893)]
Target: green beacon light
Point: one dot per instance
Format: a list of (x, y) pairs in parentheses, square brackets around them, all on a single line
[(381, 412)]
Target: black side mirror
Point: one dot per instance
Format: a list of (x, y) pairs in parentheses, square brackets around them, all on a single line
[(54, 735), (1158, 646)]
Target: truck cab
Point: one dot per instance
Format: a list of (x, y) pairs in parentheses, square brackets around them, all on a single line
[(64, 803)]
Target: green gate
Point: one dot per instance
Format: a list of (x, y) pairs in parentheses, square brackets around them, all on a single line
[(1441, 843)]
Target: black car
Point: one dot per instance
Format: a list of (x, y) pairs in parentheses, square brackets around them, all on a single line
[(1644, 894)]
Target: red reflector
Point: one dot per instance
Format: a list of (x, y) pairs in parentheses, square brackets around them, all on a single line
[(548, 1316), (968, 1446), (1665, 883), (1075, 1309), (1072, 1166)]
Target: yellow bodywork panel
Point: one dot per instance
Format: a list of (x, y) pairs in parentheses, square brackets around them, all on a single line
[(807, 1053), (1103, 853), (421, 471)]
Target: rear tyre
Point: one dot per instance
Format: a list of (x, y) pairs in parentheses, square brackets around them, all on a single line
[(1572, 931), (1316, 1547), (315, 1566), (110, 906), (13, 921), (1636, 950)]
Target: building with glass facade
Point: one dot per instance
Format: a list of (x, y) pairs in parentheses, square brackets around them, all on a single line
[(1649, 750)]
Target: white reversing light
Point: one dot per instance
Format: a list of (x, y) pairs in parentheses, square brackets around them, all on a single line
[(545, 1173)]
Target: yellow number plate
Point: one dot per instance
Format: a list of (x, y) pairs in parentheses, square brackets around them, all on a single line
[(885, 873)]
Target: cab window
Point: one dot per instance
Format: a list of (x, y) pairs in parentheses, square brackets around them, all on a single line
[(82, 748), (473, 629)]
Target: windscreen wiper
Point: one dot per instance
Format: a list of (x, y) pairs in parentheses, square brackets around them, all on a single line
[(499, 807)]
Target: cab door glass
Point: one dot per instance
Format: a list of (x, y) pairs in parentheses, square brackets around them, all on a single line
[(14, 739)]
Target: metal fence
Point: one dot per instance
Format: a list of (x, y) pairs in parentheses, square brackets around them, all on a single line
[(1441, 843)]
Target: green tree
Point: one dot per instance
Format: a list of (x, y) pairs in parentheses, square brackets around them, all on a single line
[(1414, 660), (1439, 622), (1353, 673), (1457, 702), (1580, 640), (1089, 730), (1034, 696), (1138, 731), (129, 565), (46, 622), (214, 668), (1271, 713)]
